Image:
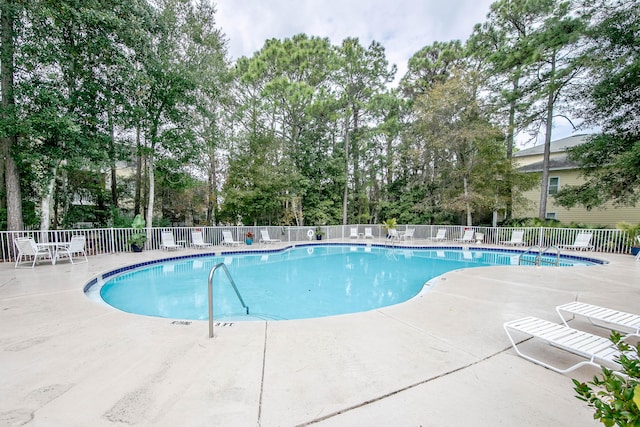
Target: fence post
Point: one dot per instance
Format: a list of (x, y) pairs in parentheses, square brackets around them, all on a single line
[(540, 233), (112, 239)]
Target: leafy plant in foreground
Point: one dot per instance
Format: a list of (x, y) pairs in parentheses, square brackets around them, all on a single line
[(615, 396)]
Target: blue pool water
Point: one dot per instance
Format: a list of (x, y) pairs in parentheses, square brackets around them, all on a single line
[(302, 282)]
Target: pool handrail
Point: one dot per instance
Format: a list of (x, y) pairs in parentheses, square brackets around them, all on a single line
[(235, 288), (546, 251), (539, 259)]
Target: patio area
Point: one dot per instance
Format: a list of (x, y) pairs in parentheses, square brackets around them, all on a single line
[(440, 359)]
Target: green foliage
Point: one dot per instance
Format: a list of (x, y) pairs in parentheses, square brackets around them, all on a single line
[(615, 398), (390, 223), (614, 66), (547, 223), (632, 232), (610, 162), (304, 130), (532, 222), (139, 237), (433, 64), (119, 220)]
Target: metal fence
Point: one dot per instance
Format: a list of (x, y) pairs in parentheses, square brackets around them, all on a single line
[(114, 240)]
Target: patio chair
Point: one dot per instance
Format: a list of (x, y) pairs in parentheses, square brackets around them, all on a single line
[(408, 234), (368, 233), (604, 317), (227, 239), (28, 248), (441, 236), (266, 239), (517, 238), (582, 243), (393, 234), (598, 351), (168, 242), (75, 247), (466, 237), (197, 240), (353, 234)]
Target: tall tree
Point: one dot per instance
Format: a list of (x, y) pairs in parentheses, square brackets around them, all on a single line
[(170, 80), (10, 14), (455, 127), (431, 65), (503, 44), (557, 66), (211, 72), (283, 93), (362, 74), (610, 161)]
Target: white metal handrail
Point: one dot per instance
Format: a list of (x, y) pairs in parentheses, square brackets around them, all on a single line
[(235, 288)]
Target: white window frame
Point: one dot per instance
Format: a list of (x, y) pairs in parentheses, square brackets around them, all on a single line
[(556, 186), (551, 215)]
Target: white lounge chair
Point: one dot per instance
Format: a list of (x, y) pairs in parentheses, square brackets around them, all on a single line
[(75, 247), (368, 233), (353, 234), (168, 242), (441, 236), (466, 237), (582, 243), (393, 234), (197, 240), (266, 239), (408, 234), (27, 249), (598, 351), (227, 239), (604, 317), (517, 238)]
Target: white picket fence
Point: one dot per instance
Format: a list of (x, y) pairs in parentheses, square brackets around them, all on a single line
[(114, 240)]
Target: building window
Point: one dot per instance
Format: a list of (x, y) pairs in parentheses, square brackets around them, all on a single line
[(551, 215), (554, 185)]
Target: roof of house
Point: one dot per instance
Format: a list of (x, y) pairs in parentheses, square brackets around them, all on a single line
[(558, 163), (557, 146)]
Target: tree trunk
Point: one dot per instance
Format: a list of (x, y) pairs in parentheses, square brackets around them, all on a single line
[(112, 162), (212, 203), (510, 143), (465, 183), (12, 175), (151, 175), (45, 202), (345, 196), (137, 198), (544, 185)]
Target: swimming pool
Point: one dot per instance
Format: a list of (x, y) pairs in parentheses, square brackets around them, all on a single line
[(298, 282)]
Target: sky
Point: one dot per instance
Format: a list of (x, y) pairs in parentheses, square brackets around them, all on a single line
[(402, 27)]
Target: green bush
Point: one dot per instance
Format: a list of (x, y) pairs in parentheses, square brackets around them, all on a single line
[(139, 237), (615, 396), (550, 223)]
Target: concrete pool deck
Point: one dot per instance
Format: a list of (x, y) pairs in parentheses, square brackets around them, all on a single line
[(440, 359)]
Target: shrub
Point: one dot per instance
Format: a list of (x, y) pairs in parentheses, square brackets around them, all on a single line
[(615, 396)]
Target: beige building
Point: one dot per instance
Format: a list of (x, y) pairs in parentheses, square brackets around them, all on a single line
[(563, 171)]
